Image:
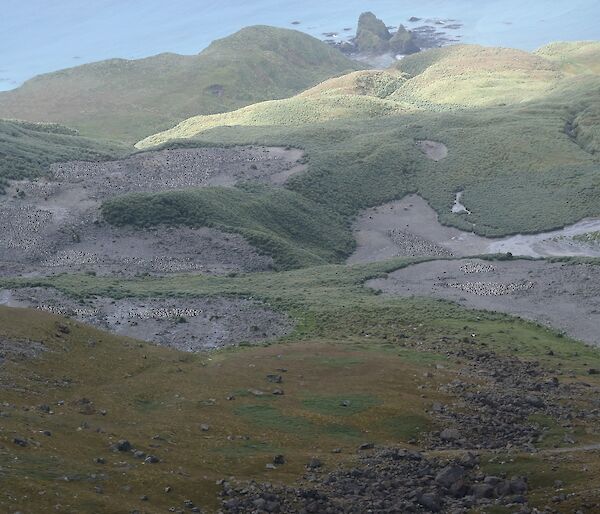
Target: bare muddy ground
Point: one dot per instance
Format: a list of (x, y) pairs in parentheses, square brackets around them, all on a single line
[(187, 324), (432, 149), (563, 296), (410, 227), (54, 225)]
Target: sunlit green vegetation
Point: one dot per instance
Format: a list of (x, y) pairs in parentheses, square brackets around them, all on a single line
[(130, 99)]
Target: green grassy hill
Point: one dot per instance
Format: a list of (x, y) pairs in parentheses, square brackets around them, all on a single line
[(461, 76), (452, 78), (523, 145), (26, 149), (130, 99), (356, 96), (574, 57)]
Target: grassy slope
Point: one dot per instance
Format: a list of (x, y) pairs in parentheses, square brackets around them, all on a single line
[(26, 149), (127, 100), (509, 151), (574, 57), (469, 76), (293, 229), (343, 331)]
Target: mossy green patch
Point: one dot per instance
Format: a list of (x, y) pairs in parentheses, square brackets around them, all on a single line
[(343, 405)]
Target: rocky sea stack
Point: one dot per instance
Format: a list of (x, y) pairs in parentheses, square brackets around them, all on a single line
[(373, 37)]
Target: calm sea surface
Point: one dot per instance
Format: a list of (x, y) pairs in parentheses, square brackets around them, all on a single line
[(41, 35)]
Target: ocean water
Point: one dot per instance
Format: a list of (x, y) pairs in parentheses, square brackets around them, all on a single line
[(38, 36)]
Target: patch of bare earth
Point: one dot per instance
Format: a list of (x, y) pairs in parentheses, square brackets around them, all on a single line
[(410, 228), (562, 296), (186, 324), (433, 150), (54, 225)]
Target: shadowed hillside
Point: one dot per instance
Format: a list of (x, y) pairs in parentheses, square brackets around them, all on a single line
[(26, 149), (129, 99)]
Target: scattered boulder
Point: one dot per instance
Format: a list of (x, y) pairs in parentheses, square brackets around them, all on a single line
[(402, 42), (431, 501), (314, 463), (122, 445), (450, 475), (449, 434)]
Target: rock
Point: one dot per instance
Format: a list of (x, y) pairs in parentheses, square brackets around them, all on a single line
[(138, 454), (366, 446), (492, 480), (518, 485), (275, 379), (259, 503), (278, 392), (256, 392), (20, 442), (314, 463), (63, 329), (100, 460), (402, 42), (345, 403), (482, 491), (431, 501), (279, 460), (204, 427), (450, 475), (534, 401), (449, 434), (123, 445)]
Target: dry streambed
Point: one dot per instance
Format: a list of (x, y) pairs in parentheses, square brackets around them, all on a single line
[(185, 324), (54, 225), (563, 296)]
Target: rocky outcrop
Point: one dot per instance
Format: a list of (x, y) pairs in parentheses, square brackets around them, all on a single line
[(385, 480), (403, 42), (373, 37)]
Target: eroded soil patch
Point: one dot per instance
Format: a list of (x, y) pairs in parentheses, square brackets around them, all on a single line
[(410, 228), (54, 225), (565, 297), (433, 149), (185, 324)]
